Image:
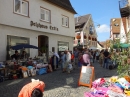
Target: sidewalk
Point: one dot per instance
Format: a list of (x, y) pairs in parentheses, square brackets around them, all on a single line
[(58, 84)]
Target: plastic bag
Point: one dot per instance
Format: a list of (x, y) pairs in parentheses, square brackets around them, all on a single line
[(42, 71)]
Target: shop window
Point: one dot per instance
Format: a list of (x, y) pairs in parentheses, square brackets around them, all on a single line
[(21, 7), (62, 46), (45, 15), (15, 40), (65, 21)]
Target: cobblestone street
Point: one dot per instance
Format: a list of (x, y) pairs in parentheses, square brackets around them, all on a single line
[(58, 84)]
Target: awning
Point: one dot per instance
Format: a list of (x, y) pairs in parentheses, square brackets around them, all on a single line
[(121, 45)]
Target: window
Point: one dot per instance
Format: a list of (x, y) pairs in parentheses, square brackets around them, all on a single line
[(116, 24), (45, 15), (16, 40), (62, 46), (116, 35), (65, 21), (21, 7)]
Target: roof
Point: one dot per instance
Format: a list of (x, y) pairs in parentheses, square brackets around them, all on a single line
[(80, 21), (63, 4), (101, 43), (115, 23)]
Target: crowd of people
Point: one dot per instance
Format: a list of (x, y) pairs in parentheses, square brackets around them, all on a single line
[(69, 60)]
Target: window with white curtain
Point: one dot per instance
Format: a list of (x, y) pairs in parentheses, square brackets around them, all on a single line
[(65, 21), (45, 15), (21, 7)]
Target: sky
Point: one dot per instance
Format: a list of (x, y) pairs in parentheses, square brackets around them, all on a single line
[(101, 10)]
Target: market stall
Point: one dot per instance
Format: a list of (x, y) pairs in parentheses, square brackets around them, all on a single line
[(23, 67)]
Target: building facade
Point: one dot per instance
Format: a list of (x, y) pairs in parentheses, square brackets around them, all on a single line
[(124, 6), (117, 30), (48, 24), (85, 33)]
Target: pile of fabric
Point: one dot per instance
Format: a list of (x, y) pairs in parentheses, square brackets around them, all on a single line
[(113, 87)]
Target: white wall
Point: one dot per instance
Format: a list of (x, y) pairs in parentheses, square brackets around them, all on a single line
[(122, 33), (17, 25), (7, 17)]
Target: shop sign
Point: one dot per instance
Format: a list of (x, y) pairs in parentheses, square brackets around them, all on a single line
[(38, 25), (63, 48)]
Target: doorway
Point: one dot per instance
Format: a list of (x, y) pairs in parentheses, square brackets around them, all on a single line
[(43, 45)]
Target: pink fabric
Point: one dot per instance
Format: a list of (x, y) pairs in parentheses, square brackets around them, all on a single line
[(87, 94), (115, 89), (99, 82), (101, 90), (86, 58)]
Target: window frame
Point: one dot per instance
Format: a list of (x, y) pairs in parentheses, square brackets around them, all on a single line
[(46, 10), (64, 18), (20, 13)]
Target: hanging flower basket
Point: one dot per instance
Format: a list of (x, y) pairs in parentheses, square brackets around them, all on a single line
[(85, 36), (93, 39), (89, 38), (78, 36)]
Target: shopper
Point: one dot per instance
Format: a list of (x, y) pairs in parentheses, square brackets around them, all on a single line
[(33, 89), (106, 58), (101, 57), (68, 60), (86, 58), (76, 54), (63, 60)]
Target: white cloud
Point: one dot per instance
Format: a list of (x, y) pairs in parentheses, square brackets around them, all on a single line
[(103, 29)]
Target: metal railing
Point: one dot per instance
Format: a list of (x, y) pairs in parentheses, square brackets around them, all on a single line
[(123, 3)]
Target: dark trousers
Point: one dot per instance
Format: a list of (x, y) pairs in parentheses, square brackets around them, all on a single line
[(105, 65)]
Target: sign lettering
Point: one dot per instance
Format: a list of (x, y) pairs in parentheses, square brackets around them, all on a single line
[(38, 25)]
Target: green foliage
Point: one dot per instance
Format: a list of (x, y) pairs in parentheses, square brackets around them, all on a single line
[(121, 59)]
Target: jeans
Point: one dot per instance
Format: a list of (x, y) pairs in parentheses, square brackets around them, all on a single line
[(105, 65)]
